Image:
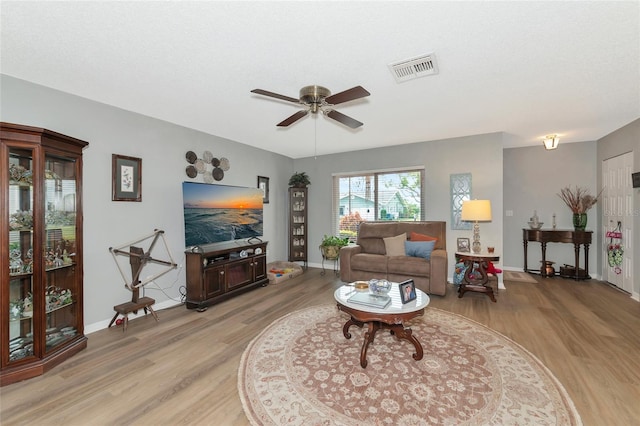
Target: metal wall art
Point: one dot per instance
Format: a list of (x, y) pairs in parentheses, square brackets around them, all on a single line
[(210, 167), (460, 187)]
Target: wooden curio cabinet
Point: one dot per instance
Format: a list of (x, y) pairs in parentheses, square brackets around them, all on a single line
[(298, 231), (41, 317)]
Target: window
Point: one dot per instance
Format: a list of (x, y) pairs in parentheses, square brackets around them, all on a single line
[(460, 186), (368, 196)]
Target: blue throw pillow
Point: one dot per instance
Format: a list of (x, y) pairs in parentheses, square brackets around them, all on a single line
[(419, 248)]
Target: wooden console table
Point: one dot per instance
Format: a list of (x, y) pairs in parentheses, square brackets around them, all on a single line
[(544, 236)]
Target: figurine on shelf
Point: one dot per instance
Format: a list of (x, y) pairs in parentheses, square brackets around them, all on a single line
[(65, 257), (15, 309), (15, 264), (27, 306), (21, 220), (27, 268), (65, 297)]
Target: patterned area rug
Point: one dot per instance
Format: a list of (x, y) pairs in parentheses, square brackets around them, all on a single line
[(522, 277), (301, 370)]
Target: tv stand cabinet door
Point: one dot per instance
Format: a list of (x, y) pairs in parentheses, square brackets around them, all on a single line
[(260, 267), (239, 274), (214, 282)]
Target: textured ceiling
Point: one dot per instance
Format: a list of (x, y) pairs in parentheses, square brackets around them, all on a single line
[(523, 68)]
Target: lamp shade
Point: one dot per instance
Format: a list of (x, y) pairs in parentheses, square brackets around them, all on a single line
[(476, 210)]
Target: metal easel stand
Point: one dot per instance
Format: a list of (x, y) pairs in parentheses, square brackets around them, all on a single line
[(138, 258)]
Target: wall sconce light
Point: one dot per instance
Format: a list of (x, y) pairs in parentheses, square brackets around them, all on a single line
[(551, 142)]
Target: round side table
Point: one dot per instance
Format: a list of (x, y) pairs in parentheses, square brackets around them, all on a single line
[(476, 281)]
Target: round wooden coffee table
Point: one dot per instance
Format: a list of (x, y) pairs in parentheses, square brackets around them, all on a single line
[(392, 317)]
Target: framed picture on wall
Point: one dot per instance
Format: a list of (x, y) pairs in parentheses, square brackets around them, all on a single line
[(263, 184), (463, 245), (126, 178)]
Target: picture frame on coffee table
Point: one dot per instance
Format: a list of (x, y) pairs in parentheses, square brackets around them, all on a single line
[(407, 291)]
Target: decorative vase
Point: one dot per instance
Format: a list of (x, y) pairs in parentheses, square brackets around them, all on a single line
[(579, 221)]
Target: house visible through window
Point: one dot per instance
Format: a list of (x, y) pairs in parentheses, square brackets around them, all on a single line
[(384, 195)]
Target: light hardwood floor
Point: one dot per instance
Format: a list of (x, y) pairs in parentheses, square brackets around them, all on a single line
[(183, 369)]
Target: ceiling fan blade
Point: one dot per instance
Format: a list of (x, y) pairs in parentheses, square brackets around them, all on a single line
[(348, 95), (276, 95), (295, 117), (344, 119)]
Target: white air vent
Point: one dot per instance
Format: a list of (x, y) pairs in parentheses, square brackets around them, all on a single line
[(410, 69)]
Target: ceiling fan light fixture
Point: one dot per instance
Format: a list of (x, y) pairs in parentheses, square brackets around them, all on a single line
[(313, 93), (318, 98)]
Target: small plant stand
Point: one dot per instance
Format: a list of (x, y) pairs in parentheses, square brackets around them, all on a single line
[(331, 254)]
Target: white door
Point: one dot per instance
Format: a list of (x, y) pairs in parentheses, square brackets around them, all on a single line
[(617, 198)]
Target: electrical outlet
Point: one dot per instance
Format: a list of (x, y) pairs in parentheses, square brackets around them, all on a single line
[(509, 213)]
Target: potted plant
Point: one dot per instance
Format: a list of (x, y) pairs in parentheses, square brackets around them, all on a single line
[(331, 245), (299, 180), (579, 201)]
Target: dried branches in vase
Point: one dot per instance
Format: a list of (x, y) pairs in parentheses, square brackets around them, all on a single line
[(578, 200)]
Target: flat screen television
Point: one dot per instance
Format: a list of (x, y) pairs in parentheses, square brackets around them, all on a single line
[(216, 213)]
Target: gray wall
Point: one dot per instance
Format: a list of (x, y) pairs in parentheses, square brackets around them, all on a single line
[(532, 179), (480, 155), (626, 139), (162, 147)]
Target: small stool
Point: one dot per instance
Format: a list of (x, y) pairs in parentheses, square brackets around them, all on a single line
[(126, 308)]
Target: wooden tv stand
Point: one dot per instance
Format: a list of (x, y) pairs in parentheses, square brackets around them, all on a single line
[(216, 272)]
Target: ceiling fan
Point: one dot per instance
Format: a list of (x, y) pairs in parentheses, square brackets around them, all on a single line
[(318, 98)]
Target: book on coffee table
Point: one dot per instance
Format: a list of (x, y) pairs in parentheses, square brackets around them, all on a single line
[(370, 300)]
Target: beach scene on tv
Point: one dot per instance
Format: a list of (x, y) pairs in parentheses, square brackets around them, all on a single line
[(217, 213)]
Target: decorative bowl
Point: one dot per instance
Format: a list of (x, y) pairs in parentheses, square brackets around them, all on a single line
[(534, 225), (379, 287), (361, 285)]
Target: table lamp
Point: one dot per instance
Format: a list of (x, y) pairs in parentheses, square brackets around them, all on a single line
[(476, 211)]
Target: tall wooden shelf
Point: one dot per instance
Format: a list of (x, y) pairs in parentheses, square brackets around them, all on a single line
[(41, 297), (298, 226)]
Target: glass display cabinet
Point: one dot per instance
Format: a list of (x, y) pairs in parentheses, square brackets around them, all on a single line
[(41, 310), (298, 225)]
